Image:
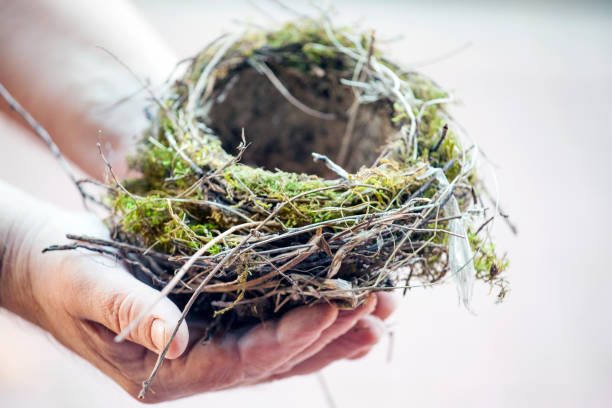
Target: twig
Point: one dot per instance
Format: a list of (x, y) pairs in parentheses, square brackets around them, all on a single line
[(331, 165), (446, 167), (110, 170), (147, 383), (291, 10), (391, 345), (262, 67), (177, 277), (484, 224), (44, 135), (437, 145), (329, 399), (442, 57), (501, 212), (201, 84), (354, 109), (119, 245), (101, 251), (145, 85), (172, 141)]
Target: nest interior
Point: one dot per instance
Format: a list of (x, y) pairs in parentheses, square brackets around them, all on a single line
[(239, 229), (282, 136)]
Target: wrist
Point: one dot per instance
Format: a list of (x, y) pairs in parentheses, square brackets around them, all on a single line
[(24, 280), (15, 280)]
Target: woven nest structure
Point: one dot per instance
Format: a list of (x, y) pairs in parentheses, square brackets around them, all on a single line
[(295, 166)]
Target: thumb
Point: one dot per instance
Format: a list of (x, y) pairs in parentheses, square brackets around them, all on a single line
[(109, 295)]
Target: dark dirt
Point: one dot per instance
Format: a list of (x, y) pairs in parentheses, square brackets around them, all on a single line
[(282, 136)]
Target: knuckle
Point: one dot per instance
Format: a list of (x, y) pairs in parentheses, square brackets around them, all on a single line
[(122, 309), (115, 307)]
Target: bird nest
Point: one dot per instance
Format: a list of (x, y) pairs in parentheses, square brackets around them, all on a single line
[(296, 166)]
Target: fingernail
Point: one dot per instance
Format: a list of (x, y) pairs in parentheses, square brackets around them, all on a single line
[(158, 333)]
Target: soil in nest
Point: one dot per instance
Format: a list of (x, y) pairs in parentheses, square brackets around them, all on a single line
[(283, 137)]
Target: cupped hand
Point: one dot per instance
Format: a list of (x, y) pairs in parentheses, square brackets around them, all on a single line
[(84, 299)]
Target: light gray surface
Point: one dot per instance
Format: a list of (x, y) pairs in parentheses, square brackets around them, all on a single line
[(536, 86)]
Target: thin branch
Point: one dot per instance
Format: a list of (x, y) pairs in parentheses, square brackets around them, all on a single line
[(329, 398), (439, 143), (354, 109), (262, 67), (147, 383), (177, 277), (44, 135), (331, 165)]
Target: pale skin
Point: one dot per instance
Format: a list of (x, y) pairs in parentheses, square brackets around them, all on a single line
[(82, 299)]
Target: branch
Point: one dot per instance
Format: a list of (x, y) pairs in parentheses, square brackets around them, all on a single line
[(44, 135)]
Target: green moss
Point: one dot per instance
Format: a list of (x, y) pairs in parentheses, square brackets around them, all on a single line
[(488, 265)]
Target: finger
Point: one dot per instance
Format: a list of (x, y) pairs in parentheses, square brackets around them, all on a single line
[(109, 295), (271, 344), (344, 322), (227, 361), (386, 305), (360, 353), (366, 333)]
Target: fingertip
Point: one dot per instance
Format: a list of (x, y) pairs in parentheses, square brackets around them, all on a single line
[(166, 315), (306, 323), (386, 305), (352, 316), (179, 342), (271, 344), (367, 332), (371, 303)]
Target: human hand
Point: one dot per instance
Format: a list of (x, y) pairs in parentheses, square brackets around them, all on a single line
[(83, 300), (80, 68)]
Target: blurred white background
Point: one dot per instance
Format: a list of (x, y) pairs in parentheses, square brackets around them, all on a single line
[(536, 88)]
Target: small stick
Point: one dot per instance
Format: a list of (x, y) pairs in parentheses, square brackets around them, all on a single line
[(177, 277), (391, 344), (172, 141), (134, 262), (331, 165), (291, 10), (354, 109), (110, 169), (326, 391), (501, 212), (44, 135), (262, 11), (147, 87), (160, 359), (260, 66), (101, 251), (484, 225), (119, 245), (202, 80), (437, 145), (442, 57), (446, 167)]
